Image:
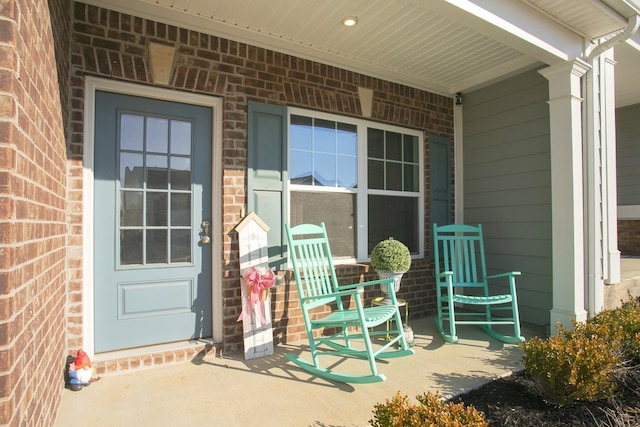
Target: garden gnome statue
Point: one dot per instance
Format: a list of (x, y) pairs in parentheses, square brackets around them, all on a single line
[(80, 371)]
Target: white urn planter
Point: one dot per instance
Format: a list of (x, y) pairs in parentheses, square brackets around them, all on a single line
[(387, 274)]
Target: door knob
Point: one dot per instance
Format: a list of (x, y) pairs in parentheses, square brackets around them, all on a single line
[(205, 239)]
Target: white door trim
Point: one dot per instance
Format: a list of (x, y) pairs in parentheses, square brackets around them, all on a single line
[(91, 85)]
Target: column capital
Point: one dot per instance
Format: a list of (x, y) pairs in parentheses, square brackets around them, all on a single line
[(575, 68)]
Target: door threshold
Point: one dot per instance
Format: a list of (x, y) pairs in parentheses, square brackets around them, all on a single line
[(132, 359)]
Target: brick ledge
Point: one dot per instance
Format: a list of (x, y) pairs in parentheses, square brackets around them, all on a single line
[(124, 361)]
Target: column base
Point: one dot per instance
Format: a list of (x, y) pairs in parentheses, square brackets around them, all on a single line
[(565, 318)]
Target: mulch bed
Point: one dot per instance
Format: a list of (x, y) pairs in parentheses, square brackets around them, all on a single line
[(510, 402)]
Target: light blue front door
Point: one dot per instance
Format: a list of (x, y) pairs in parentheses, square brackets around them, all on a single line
[(152, 168)]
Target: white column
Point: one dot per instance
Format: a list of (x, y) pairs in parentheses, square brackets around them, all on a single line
[(593, 197), (565, 111), (609, 174), (458, 150), (601, 251)]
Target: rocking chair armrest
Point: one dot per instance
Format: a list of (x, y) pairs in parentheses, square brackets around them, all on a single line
[(363, 284), (445, 274), (510, 273), (341, 293), (512, 279)]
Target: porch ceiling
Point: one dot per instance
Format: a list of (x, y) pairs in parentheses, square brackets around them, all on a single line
[(444, 46)]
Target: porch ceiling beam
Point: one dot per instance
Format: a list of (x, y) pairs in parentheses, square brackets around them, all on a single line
[(514, 24)]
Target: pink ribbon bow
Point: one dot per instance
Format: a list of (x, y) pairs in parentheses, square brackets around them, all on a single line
[(257, 285)]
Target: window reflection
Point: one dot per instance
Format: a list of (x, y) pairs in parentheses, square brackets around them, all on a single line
[(131, 132), (157, 135), (131, 170), (180, 137), (323, 153)]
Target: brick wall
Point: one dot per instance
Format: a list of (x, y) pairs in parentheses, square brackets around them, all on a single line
[(114, 45), (629, 237), (32, 210)]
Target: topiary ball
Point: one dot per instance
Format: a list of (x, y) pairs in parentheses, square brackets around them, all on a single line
[(391, 255)]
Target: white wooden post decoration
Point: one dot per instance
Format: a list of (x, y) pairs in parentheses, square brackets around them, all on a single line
[(256, 326)]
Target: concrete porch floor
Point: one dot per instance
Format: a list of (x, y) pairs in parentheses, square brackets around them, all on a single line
[(271, 391)]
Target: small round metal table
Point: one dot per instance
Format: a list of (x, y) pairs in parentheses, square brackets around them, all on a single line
[(401, 303)]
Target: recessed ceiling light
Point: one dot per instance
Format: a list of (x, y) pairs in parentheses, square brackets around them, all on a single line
[(350, 21)]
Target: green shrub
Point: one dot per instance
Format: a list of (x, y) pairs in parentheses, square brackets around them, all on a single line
[(431, 410), (574, 365)]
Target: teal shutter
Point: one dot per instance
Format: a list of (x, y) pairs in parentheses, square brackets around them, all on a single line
[(267, 174), (439, 180)]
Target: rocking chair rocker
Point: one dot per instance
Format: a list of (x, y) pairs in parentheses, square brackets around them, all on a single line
[(460, 265), (317, 286)]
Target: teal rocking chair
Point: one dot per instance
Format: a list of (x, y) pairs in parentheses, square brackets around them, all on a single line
[(462, 286), (351, 329)]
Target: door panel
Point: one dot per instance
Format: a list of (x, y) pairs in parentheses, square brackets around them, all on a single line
[(152, 193)]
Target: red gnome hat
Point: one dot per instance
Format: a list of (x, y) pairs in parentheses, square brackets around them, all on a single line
[(82, 360)]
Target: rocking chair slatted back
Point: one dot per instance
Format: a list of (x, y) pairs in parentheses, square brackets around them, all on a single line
[(463, 255), (315, 275)]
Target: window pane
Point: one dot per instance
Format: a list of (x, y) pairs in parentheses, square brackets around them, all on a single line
[(157, 172), (324, 170), (131, 170), (375, 143), (157, 246), (395, 217), (180, 209), (324, 136), (336, 210), (323, 153), (180, 173), (131, 208), (180, 246), (180, 137), (411, 149), (394, 176), (300, 169), (130, 247), (347, 172), (347, 139), (411, 178), (157, 135), (399, 155), (301, 134), (394, 146), (131, 132), (156, 209), (375, 174)]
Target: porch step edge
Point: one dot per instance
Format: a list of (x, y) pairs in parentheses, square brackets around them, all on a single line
[(125, 361)]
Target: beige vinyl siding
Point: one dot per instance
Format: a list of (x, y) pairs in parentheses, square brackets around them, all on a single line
[(628, 159), (507, 184)]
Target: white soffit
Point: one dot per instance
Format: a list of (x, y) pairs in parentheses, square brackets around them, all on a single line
[(589, 18)]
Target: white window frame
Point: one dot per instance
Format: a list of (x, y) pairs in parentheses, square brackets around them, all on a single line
[(362, 191)]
